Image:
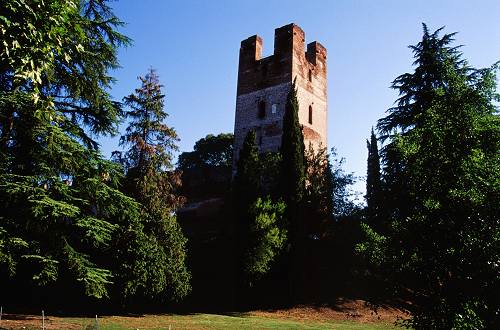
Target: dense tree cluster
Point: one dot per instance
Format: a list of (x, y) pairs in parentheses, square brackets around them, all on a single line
[(440, 189), (92, 229), (67, 221), (291, 197)]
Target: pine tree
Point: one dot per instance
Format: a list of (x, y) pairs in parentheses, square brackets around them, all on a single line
[(417, 92), (373, 184), (151, 181), (445, 141), (418, 89), (60, 205)]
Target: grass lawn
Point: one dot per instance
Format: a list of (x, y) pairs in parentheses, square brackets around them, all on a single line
[(191, 321)]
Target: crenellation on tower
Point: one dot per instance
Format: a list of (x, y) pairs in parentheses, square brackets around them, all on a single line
[(316, 53), (264, 83), (250, 51)]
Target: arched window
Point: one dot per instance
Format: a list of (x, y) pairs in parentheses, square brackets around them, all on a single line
[(310, 114), (262, 110), (310, 75)]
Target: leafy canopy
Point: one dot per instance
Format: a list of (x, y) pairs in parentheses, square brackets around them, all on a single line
[(60, 203), (445, 146)]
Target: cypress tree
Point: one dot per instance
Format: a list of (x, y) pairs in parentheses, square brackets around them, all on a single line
[(293, 164), (246, 185), (293, 177), (373, 184), (245, 192)]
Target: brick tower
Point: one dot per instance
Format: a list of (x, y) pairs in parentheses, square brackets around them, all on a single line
[(264, 83)]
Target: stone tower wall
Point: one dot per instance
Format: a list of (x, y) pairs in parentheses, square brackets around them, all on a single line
[(267, 81)]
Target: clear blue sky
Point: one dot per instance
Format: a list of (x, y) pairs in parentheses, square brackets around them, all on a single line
[(194, 46)]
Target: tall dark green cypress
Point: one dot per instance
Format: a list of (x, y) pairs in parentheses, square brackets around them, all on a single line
[(292, 152), (373, 184), (245, 192), (246, 185), (293, 178)]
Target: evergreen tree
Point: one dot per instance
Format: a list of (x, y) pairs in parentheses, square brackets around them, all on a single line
[(150, 180), (293, 168), (445, 248), (246, 185), (373, 184), (417, 91), (292, 182), (60, 205), (245, 191), (433, 58)]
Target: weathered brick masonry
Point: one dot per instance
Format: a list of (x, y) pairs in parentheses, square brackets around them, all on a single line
[(264, 83)]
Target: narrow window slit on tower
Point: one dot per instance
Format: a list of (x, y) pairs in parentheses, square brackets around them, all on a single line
[(262, 110), (310, 114), (310, 75)]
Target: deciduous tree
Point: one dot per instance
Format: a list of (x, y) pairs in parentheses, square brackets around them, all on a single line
[(207, 170)]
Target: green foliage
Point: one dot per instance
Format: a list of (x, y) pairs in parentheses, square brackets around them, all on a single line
[(329, 194), (444, 246), (343, 204), (374, 248), (210, 151), (293, 169), (246, 184), (319, 190), (207, 170), (260, 222), (157, 247), (373, 182), (267, 236), (60, 206), (269, 173)]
